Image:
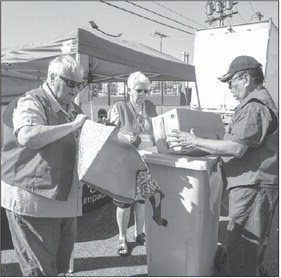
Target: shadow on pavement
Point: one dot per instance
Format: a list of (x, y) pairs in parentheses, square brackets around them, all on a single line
[(98, 224), (11, 270), (94, 263)]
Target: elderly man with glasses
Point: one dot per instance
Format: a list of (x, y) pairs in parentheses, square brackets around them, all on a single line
[(39, 188), (249, 153)]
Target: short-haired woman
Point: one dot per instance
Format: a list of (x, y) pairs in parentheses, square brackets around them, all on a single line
[(133, 117)]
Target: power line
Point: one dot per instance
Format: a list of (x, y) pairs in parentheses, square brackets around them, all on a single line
[(257, 14), (252, 7), (240, 15), (160, 15), (146, 17), (178, 13)]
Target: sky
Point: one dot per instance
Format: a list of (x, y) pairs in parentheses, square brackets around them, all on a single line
[(27, 22)]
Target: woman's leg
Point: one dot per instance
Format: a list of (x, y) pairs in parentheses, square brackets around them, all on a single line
[(122, 217), (139, 213)]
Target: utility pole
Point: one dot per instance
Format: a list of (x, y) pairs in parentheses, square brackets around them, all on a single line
[(161, 35), (223, 8)]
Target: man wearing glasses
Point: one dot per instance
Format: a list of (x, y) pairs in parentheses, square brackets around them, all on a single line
[(249, 153), (40, 189)]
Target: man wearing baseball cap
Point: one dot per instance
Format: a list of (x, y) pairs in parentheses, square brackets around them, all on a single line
[(249, 154)]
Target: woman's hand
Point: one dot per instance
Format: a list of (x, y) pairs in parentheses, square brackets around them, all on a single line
[(181, 138), (126, 137)]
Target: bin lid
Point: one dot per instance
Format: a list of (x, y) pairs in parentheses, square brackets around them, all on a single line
[(151, 155)]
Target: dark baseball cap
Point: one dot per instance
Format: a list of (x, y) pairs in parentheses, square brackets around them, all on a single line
[(240, 63)]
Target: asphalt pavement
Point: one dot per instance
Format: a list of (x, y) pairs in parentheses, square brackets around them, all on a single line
[(95, 250)]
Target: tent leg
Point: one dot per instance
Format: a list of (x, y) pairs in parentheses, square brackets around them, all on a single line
[(83, 60), (162, 96), (197, 93), (92, 109), (108, 94)]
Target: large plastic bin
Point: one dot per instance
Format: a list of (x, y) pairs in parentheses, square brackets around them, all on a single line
[(192, 188)]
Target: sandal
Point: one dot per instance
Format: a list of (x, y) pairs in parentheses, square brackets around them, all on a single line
[(122, 247), (141, 239)]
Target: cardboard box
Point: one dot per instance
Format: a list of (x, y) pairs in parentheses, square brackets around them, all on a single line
[(205, 124), (107, 164)]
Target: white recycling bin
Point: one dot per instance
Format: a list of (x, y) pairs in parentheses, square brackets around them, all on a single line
[(192, 188)]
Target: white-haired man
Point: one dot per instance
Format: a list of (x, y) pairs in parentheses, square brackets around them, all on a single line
[(40, 189)]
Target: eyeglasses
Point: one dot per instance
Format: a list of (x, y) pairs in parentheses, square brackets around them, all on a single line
[(233, 79), (141, 90), (71, 83)]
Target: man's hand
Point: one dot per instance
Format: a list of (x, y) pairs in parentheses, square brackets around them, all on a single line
[(181, 138), (79, 121)]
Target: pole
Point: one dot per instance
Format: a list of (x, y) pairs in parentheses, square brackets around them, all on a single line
[(162, 96), (197, 93), (185, 58), (220, 7), (161, 35), (125, 93), (91, 88), (108, 94), (78, 58), (161, 82), (92, 100), (71, 263)]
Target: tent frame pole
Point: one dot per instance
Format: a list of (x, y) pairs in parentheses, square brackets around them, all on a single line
[(108, 93), (197, 94), (162, 96)]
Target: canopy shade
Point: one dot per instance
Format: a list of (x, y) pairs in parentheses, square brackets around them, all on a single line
[(104, 58)]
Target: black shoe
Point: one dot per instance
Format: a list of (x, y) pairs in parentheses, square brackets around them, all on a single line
[(141, 239)]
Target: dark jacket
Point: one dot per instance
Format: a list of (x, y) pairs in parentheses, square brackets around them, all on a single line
[(47, 171), (259, 164), (128, 119)]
